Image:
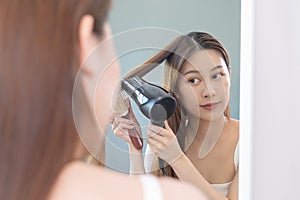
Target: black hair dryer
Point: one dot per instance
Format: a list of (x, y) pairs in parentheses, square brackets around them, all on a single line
[(153, 101)]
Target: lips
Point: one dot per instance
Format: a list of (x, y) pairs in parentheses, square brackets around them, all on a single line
[(210, 106)]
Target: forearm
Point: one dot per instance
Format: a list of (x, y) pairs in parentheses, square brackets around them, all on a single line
[(136, 161), (186, 171)]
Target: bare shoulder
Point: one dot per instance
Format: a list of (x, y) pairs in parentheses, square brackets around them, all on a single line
[(174, 189), (73, 183), (235, 123), (78, 180), (235, 127)]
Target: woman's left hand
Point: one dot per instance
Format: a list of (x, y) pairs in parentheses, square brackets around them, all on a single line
[(164, 143)]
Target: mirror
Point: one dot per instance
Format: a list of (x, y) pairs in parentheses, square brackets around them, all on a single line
[(142, 28)]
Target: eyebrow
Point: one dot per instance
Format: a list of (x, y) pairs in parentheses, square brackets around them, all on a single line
[(191, 72), (216, 67), (197, 72)]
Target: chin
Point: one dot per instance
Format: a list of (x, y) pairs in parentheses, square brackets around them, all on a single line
[(212, 116)]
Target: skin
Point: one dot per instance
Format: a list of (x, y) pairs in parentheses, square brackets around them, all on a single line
[(79, 180), (100, 67), (206, 76), (204, 91)]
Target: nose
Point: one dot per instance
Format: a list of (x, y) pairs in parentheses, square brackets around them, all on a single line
[(208, 91)]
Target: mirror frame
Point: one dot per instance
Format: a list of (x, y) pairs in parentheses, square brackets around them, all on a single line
[(246, 96)]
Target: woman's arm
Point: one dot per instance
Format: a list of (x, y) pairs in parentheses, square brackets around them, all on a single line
[(120, 129), (186, 171), (136, 160), (164, 143)]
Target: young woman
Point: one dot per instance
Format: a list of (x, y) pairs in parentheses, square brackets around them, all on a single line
[(42, 44), (205, 149)]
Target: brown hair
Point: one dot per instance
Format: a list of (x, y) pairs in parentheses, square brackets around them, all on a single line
[(194, 41), (39, 60), (175, 55)]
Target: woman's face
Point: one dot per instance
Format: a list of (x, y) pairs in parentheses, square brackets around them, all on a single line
[(204, 85)]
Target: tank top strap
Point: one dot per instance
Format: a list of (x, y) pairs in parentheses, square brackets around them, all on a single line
[(151, 187), (236, 156)]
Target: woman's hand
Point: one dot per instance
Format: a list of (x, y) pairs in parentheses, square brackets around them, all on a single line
[(121, 127), (164, 143), (126, 126)]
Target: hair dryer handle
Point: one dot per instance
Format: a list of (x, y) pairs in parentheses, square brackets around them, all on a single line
[(160, 161), (160, 124), (135, 138)]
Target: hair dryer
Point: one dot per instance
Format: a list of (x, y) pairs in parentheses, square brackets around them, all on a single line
[(153, 101)]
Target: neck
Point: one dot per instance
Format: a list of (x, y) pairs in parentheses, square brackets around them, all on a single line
[(204, 127), (92, 138)]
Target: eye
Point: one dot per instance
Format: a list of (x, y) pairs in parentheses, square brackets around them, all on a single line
[(217, 76), (194, 81)]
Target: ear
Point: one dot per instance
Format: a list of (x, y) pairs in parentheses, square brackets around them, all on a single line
[(86, 37)]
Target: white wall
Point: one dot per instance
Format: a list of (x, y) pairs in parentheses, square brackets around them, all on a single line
[(276, 100), (270, 97)]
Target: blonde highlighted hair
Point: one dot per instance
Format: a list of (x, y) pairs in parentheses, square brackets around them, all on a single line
[(174, 56)]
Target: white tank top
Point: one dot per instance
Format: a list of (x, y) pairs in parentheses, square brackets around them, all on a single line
[(151, 187)]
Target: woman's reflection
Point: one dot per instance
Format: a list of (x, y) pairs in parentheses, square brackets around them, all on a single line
[(200, 141)]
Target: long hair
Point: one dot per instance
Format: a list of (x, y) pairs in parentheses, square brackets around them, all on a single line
[(39, 59), (175, 56)]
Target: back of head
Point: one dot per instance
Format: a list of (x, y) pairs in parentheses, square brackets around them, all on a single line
[(39, 60)]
